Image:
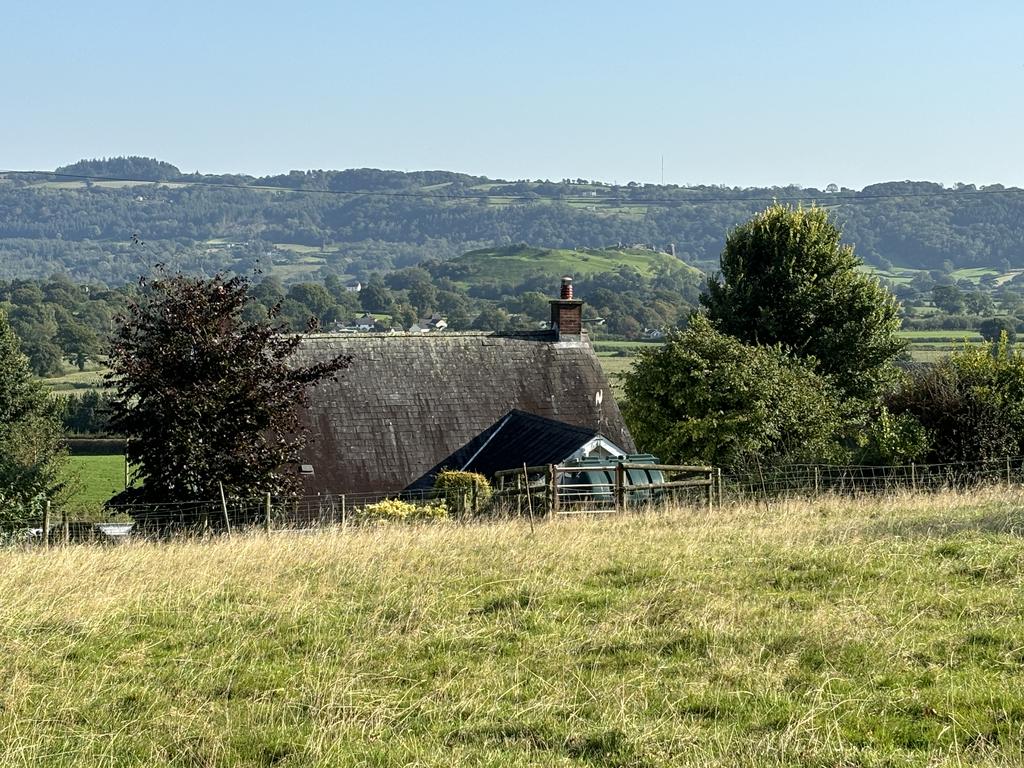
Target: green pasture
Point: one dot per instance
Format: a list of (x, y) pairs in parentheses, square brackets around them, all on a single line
[(623, 346), (516, 264), (941, 335), (869, 632), (93, 480), (974, 274), (74, 380), (902, 275), (302, 249)]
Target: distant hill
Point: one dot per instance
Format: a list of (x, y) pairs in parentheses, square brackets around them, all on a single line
[(144, 168), (308, 224)]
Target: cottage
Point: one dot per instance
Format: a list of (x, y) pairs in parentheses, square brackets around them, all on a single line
[(365, 323), (413, 403)]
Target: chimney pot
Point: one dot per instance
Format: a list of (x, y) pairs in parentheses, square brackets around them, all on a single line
[(566, 288), (567, 313)]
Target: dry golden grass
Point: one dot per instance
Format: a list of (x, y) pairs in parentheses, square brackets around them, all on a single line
[(839, 632)]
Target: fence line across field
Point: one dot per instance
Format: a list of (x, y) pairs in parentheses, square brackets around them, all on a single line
[(816, 479), (543, 491)]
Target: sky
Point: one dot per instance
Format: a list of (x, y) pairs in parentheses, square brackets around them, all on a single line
[(725, 92)]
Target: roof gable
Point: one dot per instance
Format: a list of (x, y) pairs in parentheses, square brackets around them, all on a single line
[(518, 438)]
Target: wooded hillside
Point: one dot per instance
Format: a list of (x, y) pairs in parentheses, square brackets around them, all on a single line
[(309, 224)]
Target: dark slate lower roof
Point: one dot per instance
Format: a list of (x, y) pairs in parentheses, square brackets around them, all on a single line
[(515, 440), (409, 401)]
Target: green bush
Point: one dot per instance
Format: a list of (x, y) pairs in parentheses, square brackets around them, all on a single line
[(970, 404), (405, 511), (706, 397), (459, 489)]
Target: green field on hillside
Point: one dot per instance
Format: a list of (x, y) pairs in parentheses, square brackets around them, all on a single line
[(74, 379), (875, 632), (515, 264)]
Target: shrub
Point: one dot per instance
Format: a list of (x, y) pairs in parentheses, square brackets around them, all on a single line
[(19, 514), (459, 488), (971, 404), (406, 511)]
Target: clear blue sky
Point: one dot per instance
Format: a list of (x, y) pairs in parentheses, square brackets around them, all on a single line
[(730, 92)]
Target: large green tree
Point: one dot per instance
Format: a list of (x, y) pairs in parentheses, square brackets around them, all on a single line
[(706, 396), (31, 457), (786, 278), (204, 396)]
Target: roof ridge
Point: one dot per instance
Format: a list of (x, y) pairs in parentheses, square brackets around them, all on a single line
[(330, 335), (549, 420)]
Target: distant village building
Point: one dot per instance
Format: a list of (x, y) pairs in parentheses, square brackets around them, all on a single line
[(365, 323), (412, 404), (429, 324)]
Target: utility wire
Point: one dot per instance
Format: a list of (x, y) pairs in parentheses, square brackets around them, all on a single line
[(825, 198)]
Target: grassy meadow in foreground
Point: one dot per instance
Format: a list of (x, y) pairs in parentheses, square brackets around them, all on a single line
[(868, 632)]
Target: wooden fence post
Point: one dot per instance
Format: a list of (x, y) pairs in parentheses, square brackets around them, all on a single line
[(913, 475), (46, 525), (552, 491), (266, 513), (224, 507), (817, 480), (529, 501), (620, 487), (711, 491), (1007, 471), (343, 511), (66, 525), (720, 500)]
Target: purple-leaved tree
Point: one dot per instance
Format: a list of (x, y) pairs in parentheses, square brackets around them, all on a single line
[(204, 396)]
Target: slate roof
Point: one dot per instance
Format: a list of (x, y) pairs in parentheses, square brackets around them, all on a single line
[(409, 401), (516, 439)]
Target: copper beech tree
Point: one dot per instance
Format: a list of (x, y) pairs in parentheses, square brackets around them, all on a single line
[(205, 397)]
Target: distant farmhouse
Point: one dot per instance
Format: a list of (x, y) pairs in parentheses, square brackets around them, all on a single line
[(412, 404)]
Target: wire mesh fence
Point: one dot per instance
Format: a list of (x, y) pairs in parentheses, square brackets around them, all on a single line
[(808, 480), (535, 492)]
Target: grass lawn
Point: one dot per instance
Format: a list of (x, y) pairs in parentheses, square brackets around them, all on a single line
[(838, 633)]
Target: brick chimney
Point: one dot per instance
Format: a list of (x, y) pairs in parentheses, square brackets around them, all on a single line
[(567, 314)]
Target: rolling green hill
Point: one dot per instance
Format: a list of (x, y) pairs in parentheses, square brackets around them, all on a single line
[(516, 264)]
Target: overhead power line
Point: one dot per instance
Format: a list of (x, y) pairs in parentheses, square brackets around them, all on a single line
[(823, 198)]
